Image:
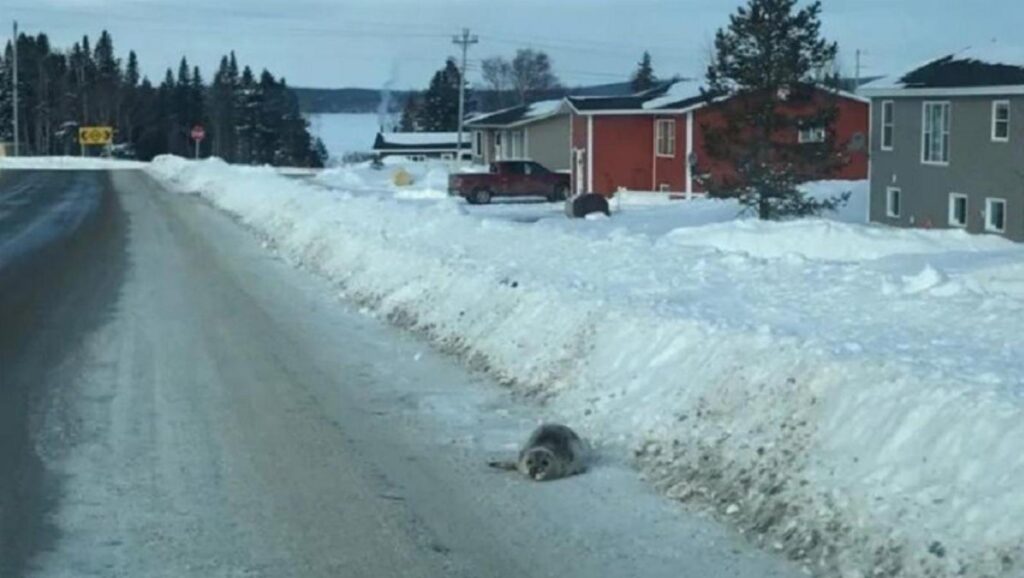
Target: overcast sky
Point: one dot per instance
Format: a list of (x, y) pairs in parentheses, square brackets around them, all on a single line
[(367, 43)]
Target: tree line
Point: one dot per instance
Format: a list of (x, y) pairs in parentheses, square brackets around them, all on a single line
[(248, 119)]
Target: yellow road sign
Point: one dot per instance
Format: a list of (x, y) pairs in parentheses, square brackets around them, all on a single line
[(95, 135)]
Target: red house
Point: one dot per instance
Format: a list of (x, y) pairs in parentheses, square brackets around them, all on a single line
[(654, 141)]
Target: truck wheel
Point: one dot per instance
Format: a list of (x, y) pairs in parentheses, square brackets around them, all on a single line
[(560, 193), (481, 197)]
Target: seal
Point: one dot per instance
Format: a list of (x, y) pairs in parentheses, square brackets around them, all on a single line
[(552, 452)]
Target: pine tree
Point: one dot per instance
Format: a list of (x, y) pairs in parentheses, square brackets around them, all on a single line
[(769, 61), (440, 107), (247, 103), (6, 96), (107, 81), (644, 78), (410, 114)]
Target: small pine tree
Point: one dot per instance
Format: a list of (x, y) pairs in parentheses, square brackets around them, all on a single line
[(410, 114), (769, 61), (644, 78)]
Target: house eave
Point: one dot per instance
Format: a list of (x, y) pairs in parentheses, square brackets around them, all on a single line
[(896, 92)]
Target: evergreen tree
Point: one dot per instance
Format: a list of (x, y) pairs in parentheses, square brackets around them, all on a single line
[(410, 114), (247, 102), (6, 96), (769, 60), (107, 80), (644, 78), (440, 107)]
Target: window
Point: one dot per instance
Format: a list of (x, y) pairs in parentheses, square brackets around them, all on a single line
[(499, 146), (814, 134), (666, 138), (478, 144), (664, 187), (957, 210), (1001, 121), (935, 133), (893, 203), (995, 215), (536, 169), (888, 124)]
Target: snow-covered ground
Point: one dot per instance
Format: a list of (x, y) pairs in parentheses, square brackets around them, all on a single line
[(849, 395), (345, 133)]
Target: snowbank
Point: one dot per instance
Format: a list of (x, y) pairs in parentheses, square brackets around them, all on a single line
[(829, 240), (68, 163), (860, 415)]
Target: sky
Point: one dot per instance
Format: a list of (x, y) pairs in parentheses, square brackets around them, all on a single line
[(400, 43)]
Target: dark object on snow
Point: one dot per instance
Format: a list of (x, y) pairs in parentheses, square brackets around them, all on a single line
[(583, 205)]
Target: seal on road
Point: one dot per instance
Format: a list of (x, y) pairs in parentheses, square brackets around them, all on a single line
[(553, 451)]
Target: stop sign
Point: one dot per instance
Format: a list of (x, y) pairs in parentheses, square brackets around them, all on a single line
[(198, 133)]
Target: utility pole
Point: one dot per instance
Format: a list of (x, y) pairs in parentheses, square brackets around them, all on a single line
[(17, 138), (465, 40), (856, 86)]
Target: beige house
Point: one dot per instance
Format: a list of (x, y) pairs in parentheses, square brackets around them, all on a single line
[(538, 132)]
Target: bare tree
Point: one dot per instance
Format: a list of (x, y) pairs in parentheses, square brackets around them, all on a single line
[(499, 79), (532, 73)]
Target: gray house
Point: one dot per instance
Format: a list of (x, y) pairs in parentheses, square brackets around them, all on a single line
[(539, 132), (947, 144)]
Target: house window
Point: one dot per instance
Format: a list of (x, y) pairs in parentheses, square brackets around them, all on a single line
[(935, 133), (814, 134), (664, 187), (893, 202), (1001, 121), (666, 138), (957, 210), (499, 146), (478, 144), (995, 215), (888, 124)]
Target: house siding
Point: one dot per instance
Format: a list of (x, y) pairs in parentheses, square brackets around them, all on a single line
[(546, 142), (623, 153), (978, 167), (850, 129), (549, 142)]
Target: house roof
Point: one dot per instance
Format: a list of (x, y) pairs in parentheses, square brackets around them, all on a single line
[(681, 94), (519, 115), (989, 68), (419, 141)]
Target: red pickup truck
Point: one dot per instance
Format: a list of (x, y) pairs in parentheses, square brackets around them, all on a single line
[(510, 179)]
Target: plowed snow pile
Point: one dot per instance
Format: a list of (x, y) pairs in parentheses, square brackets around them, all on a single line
[(848, 395)]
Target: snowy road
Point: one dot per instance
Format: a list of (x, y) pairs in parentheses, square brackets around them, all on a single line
[(176, 402)]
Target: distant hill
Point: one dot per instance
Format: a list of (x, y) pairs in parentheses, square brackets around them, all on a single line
[(328, 100), (367, 100)]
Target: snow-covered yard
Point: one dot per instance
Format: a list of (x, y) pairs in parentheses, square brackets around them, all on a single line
[(849, 395)]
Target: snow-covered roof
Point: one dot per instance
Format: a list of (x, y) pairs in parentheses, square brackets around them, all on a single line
[(989, 65), (419, 141), (420, 138), (518, 115)]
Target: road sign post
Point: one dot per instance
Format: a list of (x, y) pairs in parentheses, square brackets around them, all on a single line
[(198, 134)]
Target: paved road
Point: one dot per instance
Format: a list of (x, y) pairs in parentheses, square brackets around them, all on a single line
[(176, 402)]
